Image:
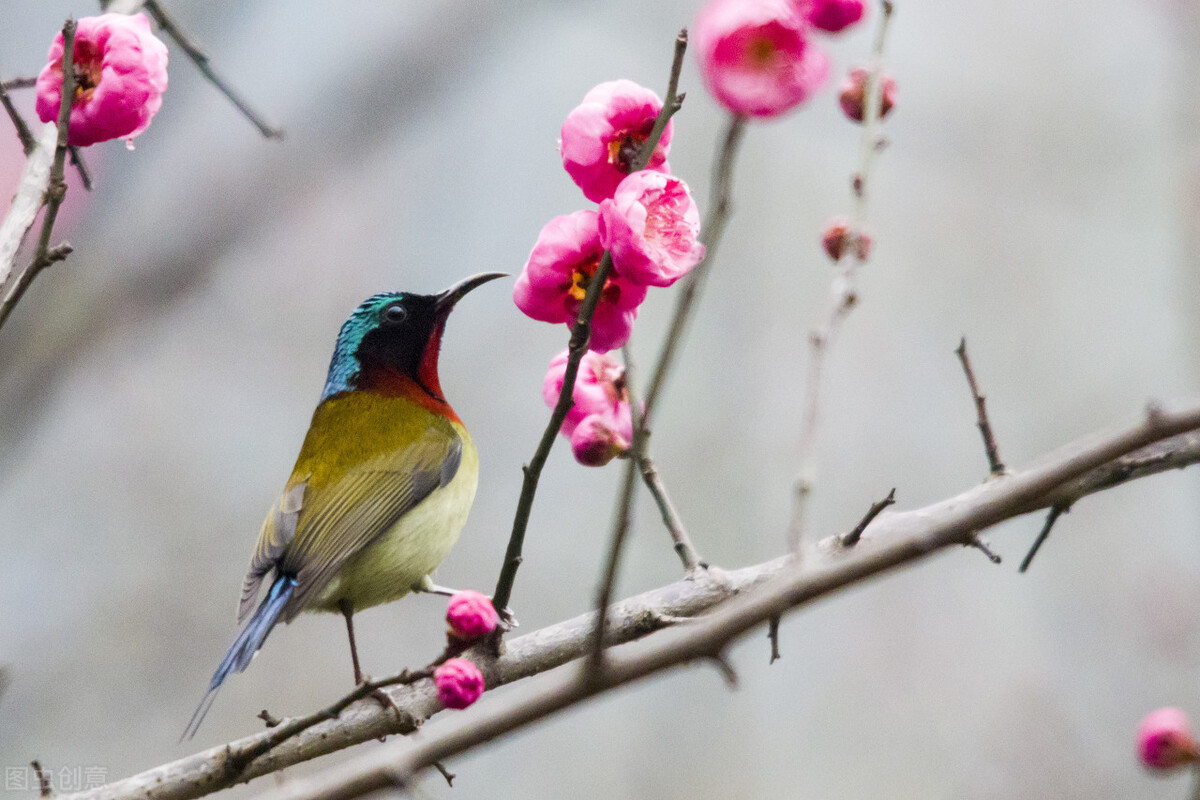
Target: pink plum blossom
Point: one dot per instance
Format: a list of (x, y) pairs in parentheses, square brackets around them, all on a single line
[(650, 226), (470, 615), (838, 238), (756, 57), (556, 277), (833, 16), (459, 683), (599, 391), (595, 442), (602, 136), (1165, 740), (120, 73), (852, 94)]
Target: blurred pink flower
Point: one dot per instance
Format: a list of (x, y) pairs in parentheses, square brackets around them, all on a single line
[(599, 391), (756, 57), (651, 227), (852, 94), (556, 277), (459, 683), (1165, 740), (603, 134), (595, 442), (470, 615), (120, 73), (837, 238), (833, 15)]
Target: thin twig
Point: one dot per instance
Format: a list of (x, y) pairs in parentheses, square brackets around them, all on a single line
[(983, 547), (1051, 517), (77, 162), (622, 523), (45, 788), (23, 132), (581, 334), (447, 774), (200, 59), (850, 539), (18, 83), (985, 426), (773, 636), (710, 235), (842, 294), (679, 536)]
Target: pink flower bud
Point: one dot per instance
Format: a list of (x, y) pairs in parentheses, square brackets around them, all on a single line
[(853, 94), (599, 390), (595, 442), (834, 15), (1165, 740), (756, 57), (603, 134), (120, 76), (556, 277), (838, 238), (470, 615), (651, 226), (459, 683)]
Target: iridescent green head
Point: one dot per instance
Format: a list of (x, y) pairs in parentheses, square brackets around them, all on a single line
[(395, 331)]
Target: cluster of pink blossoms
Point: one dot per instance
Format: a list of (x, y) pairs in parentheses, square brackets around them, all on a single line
[(120, 71), (757, 57), (648, 223), (469, 616), (1165, 740)]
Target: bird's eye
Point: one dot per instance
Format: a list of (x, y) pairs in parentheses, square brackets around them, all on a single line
[(395, 314)]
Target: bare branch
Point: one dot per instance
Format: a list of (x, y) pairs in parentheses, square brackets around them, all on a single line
[(754, 595), (985, 426), (200, 59), (898, 538), (23, 132), (850, 539)]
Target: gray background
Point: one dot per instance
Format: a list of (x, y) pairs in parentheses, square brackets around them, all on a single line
[(1039, 196)]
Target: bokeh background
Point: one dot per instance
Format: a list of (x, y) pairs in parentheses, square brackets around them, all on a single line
[(1039, 196)]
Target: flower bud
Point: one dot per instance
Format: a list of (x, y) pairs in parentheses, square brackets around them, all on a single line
[(853, 94), (838, 238), (459, 683), (470, 615), (595, 442), (834, 16), (1165, 740)]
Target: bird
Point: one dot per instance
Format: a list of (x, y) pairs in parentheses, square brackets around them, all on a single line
[(381, 489)]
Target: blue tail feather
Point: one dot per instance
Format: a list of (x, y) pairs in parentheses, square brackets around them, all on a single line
[(245, 646)]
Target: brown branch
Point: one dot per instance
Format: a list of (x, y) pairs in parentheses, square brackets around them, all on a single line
[(18, 83), (897, 538), (773, 637), (842, 294), (45, 788), (755, 594), (200, 59), (23, 132), (670, 516), (985, 426), (581, 334), (1051, 517), (710, 234), (55, 190), (850, 539)]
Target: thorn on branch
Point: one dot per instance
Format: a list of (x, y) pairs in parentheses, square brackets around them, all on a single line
[(850, 539), (985, 427), (1051, 517), (982, 546), (77, 161), (44, 787), (773, 635), (447, 774), (728, 673), (269, 720)]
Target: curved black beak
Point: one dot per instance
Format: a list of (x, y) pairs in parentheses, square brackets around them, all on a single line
[(444, 301)]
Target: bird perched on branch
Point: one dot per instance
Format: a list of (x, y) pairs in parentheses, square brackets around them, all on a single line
[(380, 490)]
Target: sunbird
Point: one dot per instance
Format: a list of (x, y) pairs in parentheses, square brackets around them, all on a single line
[(381, 488)]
